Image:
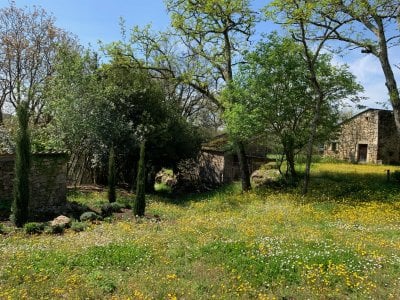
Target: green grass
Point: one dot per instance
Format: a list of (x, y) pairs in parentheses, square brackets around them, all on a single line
[(342, 241)]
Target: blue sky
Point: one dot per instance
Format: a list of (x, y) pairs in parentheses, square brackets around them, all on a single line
[(94, 20)]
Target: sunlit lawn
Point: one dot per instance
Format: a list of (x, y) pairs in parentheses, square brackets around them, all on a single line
[(342, 241)]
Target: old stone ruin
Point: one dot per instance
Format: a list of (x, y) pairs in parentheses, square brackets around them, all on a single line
[(48, 184)]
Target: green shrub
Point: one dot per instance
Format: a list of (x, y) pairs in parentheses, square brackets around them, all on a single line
[(34, 228), (57, 229), (78, 226), (89, 216), (109, 208), (396, 176), (2, 229), (125, 202)]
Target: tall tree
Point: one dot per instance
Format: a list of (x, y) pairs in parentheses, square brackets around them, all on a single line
[(95, 106), (20, 206), (293, 14), (274, 100), (29, 42), (168, 61), (369, 25), (216, 33)]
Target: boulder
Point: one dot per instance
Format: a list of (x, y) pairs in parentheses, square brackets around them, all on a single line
[(265, 177), (60, 221)]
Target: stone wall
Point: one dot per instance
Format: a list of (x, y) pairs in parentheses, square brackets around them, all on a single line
[(355, 133), (223, 167), (48, 179), (211, 167), (373, 129), (389, 142)]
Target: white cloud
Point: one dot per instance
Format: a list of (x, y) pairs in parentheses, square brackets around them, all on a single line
[(369, 74), (366, 68)]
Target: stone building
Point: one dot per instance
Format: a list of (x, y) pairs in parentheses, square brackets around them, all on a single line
[(48, 178), (368, 137), (219, 163)]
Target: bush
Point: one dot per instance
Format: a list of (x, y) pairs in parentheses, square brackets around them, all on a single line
[(34, 228), (125, 202), (2, 229), (57, 229), (90, 216), (109, 208), (78, 226), (396, 176)]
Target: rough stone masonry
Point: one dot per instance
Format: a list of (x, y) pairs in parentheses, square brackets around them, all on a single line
[(48, 183)]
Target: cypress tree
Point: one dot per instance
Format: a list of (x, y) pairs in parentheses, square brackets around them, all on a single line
[(140, 201), (22, 167), (111, 176)]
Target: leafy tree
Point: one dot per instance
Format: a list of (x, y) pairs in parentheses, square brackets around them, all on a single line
[(167, 60), (20, 206), (95, 106), (294, 17), (29, 42), (371, 26), (215, 32), (274, 97)]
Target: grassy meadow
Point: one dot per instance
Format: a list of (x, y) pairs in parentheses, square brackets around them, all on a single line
[(342, 241)]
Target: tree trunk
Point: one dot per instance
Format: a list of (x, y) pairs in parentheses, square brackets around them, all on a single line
[(310, 143), (111, 176), (243, 166), (288, 145), (1, 116), (291, 164), (390, 83), (139, 205)]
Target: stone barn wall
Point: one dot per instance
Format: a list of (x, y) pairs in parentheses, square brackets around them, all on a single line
[(211, 167), (389, 142), (358, 139), (48, 178)]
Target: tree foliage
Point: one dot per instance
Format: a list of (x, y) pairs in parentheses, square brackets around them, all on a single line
[(29, 42), (20, 206), (97, 105), (372, 26), (274, 98), (216, 33)]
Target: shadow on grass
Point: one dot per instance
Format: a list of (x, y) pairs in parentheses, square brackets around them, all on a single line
[(353, 187), (183, 199)]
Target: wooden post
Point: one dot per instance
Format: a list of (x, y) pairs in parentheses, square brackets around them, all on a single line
[(387, 175)]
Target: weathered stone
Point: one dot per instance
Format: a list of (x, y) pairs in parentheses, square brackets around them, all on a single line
[(61, 221), (48, 183), (165, 177), (369, 136), (265, 177)]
